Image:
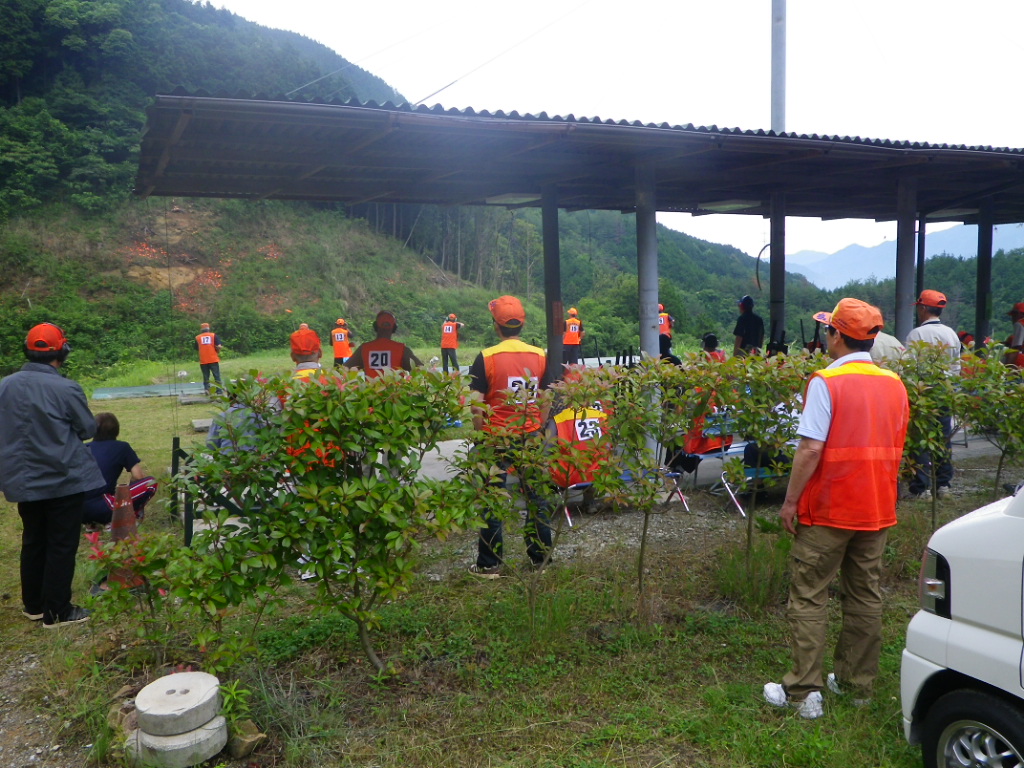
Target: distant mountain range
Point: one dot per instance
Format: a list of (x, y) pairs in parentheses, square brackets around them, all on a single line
[(857, 262)]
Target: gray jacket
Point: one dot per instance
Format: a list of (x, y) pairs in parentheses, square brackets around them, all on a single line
[(43, 420)]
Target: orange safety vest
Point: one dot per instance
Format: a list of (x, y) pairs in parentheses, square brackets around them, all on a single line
[(665, 324), (207, 343), (854, 485), (515, 368), (578, 432), (450, 334), (342, 342), (717, 355), (382, 355), (573, 331)]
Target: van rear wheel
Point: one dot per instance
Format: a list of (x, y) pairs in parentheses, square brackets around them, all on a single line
[(971, 729)]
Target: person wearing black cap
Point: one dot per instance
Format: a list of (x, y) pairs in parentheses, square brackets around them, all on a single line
[(749, 330), (47, 471)]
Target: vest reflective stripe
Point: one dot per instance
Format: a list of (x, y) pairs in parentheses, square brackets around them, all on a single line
[(578, 433), (381, 355), (665, 324), (514, 370), (450, 335), (342, 343), (207, 343), (573, 327), (855, 484)]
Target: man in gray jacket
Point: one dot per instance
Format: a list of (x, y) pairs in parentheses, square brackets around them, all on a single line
[(46, 469)]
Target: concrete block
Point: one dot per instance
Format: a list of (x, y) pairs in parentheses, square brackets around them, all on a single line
[(201, 425), (180, 751), (178, 703)]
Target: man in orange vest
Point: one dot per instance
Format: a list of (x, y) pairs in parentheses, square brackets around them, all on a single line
[(450, 342), (383, 354), (665, 323), (306, 352), (840, 502), (209, 355), (511, 368), (573, 338), (341, 338)]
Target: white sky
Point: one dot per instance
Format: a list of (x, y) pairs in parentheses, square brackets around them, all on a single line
[(935, 71)]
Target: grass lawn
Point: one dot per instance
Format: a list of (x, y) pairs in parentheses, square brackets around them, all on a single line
[(594, 679)]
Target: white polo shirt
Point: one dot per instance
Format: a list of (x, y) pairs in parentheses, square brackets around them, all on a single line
[(934, 332)]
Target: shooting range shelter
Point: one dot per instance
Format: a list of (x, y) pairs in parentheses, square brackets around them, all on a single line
[(196, 145)]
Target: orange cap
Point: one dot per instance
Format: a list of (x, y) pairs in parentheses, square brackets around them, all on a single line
[(854, 318), (204, 327), (508, 312), (931, 299), (45, 337), (385, 321), (341, 321), (305, 341), (452, 316), (573, 312)]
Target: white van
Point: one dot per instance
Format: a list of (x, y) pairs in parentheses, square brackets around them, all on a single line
[(962, 678)]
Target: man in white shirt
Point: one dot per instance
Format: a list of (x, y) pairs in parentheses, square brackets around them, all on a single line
[(931, 330)]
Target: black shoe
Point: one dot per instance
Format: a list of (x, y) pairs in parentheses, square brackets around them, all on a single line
[(73, 615), (1010, 488)]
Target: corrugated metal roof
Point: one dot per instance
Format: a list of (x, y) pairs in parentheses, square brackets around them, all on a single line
[(264, 147)]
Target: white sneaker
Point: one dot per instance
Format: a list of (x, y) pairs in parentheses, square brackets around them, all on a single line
[(810, 708), (833, 685)]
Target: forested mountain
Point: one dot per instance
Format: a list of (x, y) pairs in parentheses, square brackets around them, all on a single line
[(76, 76), (132, 279)]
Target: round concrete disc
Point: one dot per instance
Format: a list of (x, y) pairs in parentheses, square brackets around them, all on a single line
[(179, 751), (178, 703)]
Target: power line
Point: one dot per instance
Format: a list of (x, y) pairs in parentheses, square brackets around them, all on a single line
[(502, 53)]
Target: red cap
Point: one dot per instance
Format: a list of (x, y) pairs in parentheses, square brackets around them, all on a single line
[(385, 321), (1018, 309), (45, 337), (305, 341), (452, 316), (508, 312), (931, 299), (854, 318)]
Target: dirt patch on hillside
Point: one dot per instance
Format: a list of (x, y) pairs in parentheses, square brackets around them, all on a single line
[(161, 278)]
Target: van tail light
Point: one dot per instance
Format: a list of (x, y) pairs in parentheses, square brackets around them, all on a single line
[(933, 587)]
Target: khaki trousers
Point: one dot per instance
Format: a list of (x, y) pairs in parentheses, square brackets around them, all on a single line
[(818, 553)]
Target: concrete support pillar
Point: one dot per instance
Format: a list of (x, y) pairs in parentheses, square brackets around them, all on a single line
[(647, 260), (552, 281), (777, 272), (919, 280), (983, 296), (906, 214)]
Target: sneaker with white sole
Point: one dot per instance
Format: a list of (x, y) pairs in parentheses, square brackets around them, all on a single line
[(836, 687), (486, 572), (32, 616), (810, 708)]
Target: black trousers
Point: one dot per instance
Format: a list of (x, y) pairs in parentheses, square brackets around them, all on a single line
[(49, 542), (450, 356)]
